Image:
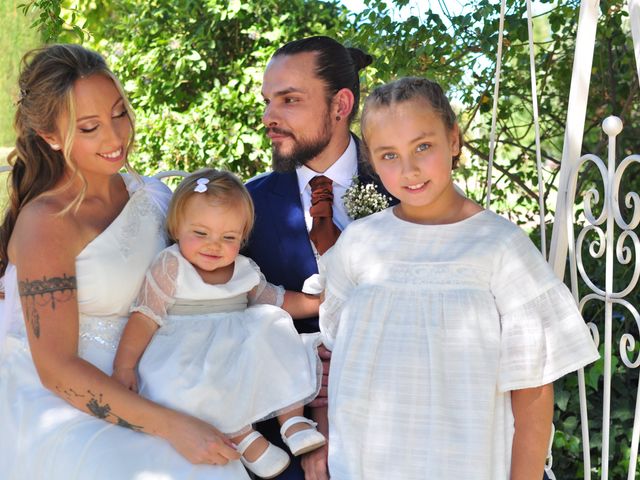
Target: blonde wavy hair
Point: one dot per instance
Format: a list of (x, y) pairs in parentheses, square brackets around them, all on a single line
[(46, 84), (223, 187)]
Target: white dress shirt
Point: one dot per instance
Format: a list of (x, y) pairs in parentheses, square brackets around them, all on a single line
[(341, 173)]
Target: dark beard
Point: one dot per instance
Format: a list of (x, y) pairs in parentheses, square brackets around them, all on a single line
[(303, 151)]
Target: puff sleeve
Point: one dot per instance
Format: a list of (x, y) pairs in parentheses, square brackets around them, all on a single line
[(543, 335)]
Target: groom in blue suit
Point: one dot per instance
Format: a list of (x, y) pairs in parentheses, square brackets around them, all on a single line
[(311, 91)]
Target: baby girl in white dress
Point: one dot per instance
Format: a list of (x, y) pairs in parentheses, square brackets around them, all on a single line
[(207, 333)]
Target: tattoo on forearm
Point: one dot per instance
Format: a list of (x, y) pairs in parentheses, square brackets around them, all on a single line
[(98, 407), (41, 293)]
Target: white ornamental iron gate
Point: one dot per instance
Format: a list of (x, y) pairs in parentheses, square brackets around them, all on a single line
[(605, 232), (602, 235)]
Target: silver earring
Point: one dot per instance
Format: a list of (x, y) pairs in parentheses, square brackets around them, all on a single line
[(55, 146)]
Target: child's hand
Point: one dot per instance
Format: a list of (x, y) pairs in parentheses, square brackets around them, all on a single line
[(127, 377)]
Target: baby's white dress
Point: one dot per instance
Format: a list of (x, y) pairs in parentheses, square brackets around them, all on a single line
[(42, 437), (431, 327), (224, 353)]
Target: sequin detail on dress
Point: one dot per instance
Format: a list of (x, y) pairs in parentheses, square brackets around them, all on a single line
[(142, 208), (104, 332)]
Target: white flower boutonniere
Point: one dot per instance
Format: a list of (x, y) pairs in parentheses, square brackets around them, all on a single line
[(362, 200)]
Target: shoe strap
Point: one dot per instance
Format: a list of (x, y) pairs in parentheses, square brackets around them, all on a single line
[(292, 421), (246, 441)]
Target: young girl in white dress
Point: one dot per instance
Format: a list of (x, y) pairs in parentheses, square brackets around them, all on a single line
[(446, 325), (216, 344)]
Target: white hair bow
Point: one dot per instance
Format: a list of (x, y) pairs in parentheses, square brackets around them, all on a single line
[(201, 186)]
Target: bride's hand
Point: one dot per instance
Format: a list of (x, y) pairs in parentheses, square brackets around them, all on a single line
[(199, 442)]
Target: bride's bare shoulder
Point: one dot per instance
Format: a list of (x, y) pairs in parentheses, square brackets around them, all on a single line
[(41, 227)]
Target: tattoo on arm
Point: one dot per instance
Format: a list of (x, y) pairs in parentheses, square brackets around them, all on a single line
[(99, 408), (42, 293)]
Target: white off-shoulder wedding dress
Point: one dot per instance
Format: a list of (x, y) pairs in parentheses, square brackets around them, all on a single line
[(44, 437)]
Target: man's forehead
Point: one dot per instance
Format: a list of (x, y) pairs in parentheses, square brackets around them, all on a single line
[(286, 91), (295, 69), (298, 58)]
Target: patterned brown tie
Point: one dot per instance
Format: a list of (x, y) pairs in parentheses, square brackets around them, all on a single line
[(324, 232)]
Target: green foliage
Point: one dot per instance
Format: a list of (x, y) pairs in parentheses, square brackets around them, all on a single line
[(193, 70), (15, 40), (53, 20), (459, 51), (568, 441)]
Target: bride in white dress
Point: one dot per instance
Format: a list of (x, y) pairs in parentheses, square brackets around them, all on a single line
[(74, 245)]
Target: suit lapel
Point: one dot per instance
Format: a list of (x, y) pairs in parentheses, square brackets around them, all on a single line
[(284, 201)]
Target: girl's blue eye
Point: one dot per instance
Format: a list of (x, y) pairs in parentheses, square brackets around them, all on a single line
[(389, 156), (422, 147)]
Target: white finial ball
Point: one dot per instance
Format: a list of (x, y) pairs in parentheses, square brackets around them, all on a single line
[(612, 126)]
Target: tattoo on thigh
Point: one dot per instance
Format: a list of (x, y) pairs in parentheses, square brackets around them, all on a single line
[(43, 293), (98, 407)]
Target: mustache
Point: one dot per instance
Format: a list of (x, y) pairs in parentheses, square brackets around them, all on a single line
[(278, 131)]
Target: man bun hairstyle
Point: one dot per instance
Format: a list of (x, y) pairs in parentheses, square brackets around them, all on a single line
[(360, 59), (336, 65)]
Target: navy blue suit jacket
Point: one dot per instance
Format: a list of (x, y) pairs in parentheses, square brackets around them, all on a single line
[(279, 242)]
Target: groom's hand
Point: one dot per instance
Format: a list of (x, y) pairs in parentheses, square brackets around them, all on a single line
[(321, 400), (314, 464)]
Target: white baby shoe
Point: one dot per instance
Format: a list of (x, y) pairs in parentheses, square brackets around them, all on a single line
[(271, 463), (303, 441)]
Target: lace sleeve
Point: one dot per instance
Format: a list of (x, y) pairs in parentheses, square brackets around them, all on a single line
[(265, 292), (158, 288)]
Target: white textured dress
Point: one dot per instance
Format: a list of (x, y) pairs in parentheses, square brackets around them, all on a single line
[(224, 353), (431, 327), (44, 438)]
